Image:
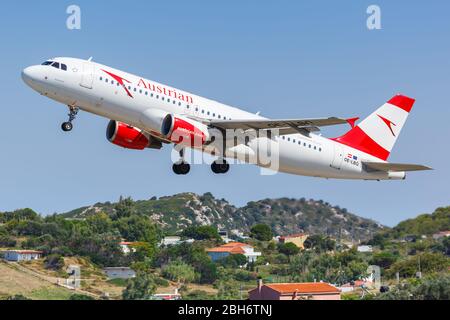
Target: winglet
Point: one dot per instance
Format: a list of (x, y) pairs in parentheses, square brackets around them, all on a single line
[(352, 121)]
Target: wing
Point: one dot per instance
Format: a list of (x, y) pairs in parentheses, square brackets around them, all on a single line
[(383, 166), (287, 126)]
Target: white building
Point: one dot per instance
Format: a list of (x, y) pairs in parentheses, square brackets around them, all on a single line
[(127, 247), (174, 240), (365, 249), (441, 234), (119, 272), (22, 255)]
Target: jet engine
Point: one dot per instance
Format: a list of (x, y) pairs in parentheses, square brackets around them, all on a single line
[(124, 135)]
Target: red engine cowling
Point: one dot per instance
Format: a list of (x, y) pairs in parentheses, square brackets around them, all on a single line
[(181, 130), (126, 136)]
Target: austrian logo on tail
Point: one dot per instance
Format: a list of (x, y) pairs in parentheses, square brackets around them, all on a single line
[(389, 123)]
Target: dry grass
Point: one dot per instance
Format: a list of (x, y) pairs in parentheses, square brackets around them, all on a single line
[(13, 281)]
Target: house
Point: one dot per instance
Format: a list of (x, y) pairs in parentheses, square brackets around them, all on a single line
[(119, 272), (174, 240), (167, 296), (295, 291), (233, 248), (127, 247), (224, 236), (297, 239), (22, 255), (441, 234), (364, 249)]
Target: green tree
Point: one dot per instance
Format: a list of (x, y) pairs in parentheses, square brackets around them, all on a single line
[(124, 208), (261, 232), (383, 259), (288, 249), (139, 228), (201, 233), (233, 261), (179, 271), (142, 287)]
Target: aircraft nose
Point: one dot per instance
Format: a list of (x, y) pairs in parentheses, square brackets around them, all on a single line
[(30, 74)]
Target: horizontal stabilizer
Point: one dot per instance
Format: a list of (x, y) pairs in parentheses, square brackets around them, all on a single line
[(261, 124), (396, 167)]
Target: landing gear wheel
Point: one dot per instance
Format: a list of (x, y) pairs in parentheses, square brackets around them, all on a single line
[(181, 168), (220, 167), (67, 126)]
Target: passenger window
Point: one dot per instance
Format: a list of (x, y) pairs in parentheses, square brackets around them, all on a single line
[(140, 91), (101, 78), (106, 80)]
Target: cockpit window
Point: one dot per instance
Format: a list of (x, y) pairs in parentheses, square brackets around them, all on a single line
[(55, 64)]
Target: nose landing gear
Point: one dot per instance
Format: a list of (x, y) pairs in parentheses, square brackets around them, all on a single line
[(68, 126)]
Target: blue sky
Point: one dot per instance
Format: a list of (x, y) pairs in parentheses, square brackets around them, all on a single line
[(287, 59)]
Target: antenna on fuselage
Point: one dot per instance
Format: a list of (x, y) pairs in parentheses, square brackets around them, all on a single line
[(90, 59)]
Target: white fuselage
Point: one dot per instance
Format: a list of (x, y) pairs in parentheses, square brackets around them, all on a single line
[(93, 88)]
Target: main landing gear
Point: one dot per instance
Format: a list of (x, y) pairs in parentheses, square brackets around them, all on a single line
[(220, 166), (68, 126), (181, 167)]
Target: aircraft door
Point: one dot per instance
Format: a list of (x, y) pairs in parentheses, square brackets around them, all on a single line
[(87, 76), (338, 156)]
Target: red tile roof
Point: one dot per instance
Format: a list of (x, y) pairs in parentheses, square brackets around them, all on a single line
[(26, 251), (232, 247), (302, 288)]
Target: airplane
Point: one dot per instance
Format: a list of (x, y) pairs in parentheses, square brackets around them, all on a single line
[(147, 114)]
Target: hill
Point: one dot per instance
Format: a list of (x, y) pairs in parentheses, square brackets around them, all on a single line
[(285, 216), (425, 224)]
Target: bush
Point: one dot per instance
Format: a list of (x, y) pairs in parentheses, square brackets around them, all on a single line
[(201, 233), (179, 271), (261, 232), (233, 261), (77, 296), (6, 241), (288, 249), (54, 262), (142, 287)]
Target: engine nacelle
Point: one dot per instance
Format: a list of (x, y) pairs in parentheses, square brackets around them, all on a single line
[(185, 131), (126, 136)]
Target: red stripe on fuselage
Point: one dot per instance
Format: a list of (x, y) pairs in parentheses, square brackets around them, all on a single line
[(358, 139)]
